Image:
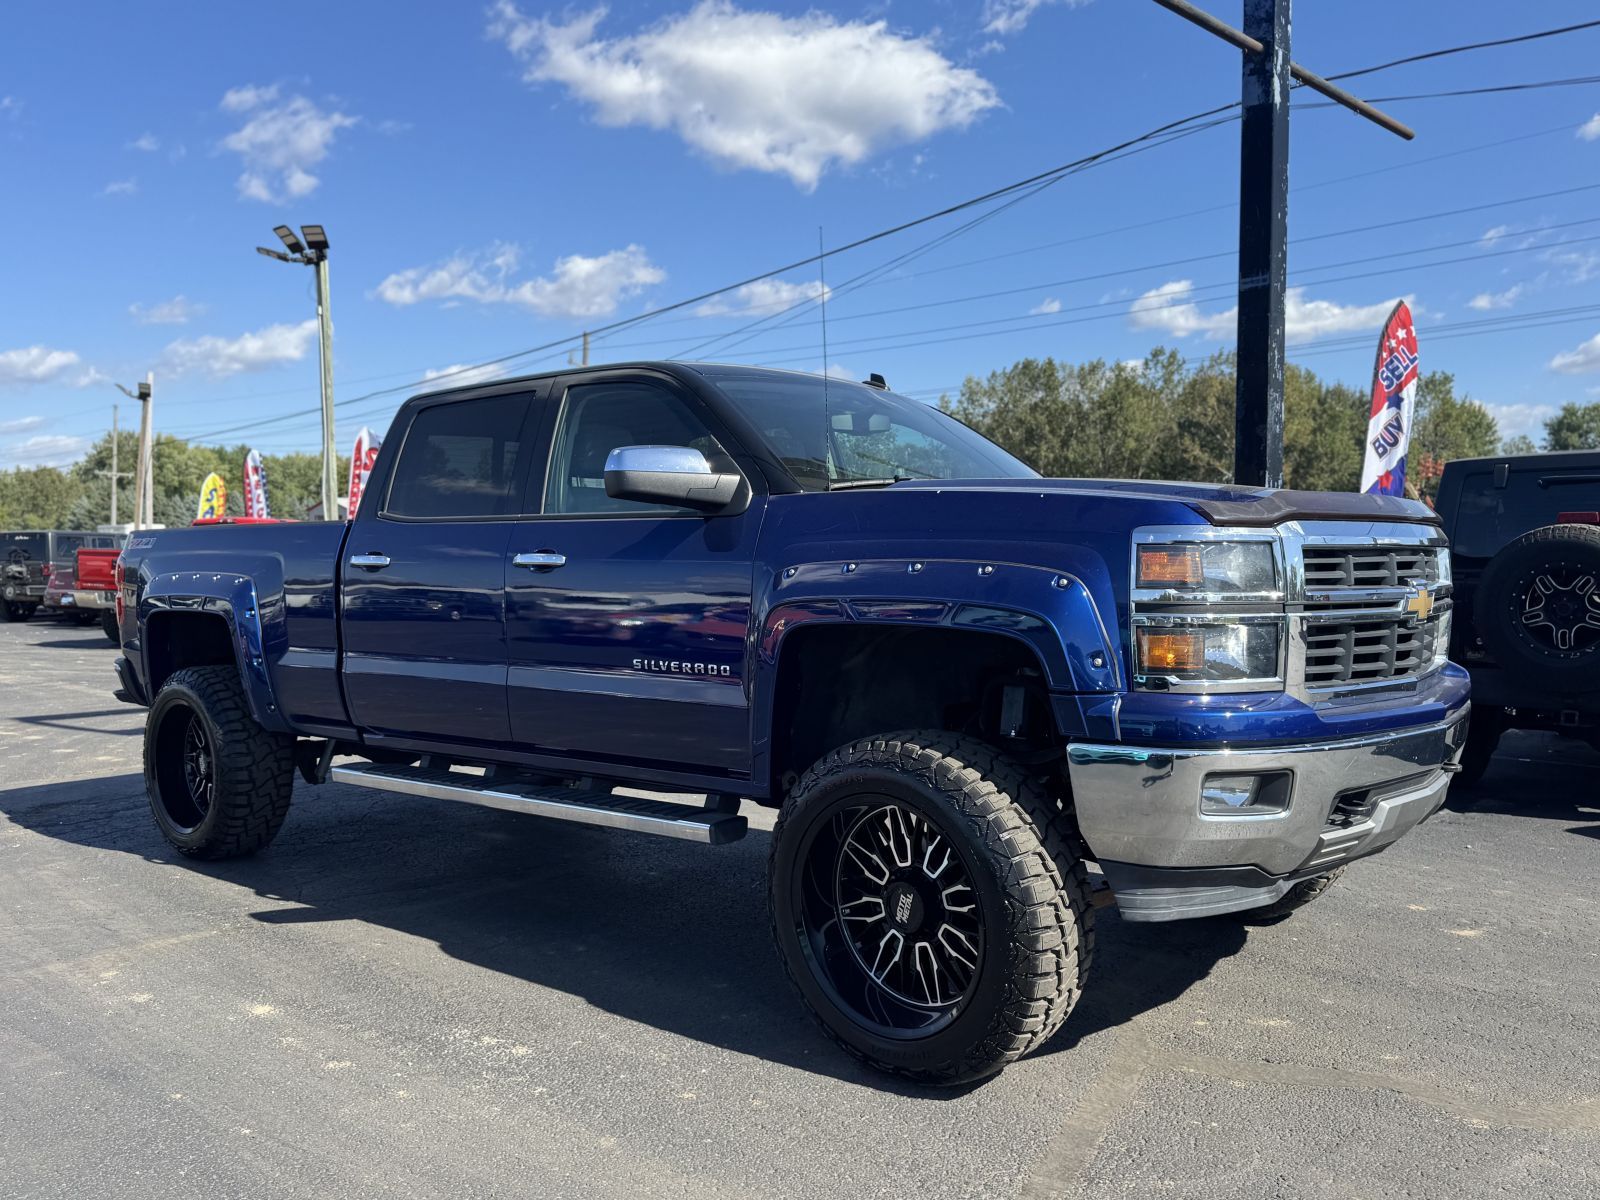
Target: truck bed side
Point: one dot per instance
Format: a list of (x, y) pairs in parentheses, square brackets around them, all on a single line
[(263, 597)]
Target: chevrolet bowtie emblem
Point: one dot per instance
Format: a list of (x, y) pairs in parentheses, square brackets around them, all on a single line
[(1420, 603)]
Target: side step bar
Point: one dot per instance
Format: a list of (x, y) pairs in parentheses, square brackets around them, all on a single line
[(661, 817)]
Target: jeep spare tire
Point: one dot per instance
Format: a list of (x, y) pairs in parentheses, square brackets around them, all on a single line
[(1538, 607)]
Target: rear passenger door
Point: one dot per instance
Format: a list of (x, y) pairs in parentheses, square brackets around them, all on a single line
[(423, 576), (628, 644)]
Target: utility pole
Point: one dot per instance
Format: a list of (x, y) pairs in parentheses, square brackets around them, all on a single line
[(1263, 247), (313, 252), (144, 470), (114, 475), (586, 347), (1264, 221)]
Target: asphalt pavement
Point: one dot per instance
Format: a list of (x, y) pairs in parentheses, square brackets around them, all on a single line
[(409, 998)]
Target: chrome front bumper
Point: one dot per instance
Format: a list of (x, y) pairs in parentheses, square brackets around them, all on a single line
[(1139, 807)]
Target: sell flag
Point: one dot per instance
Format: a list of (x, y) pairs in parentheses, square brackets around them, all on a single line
[(362, 459), (213, 498), (255, 486), (1394, 404)]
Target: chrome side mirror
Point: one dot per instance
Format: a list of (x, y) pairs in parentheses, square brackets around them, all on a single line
[(669, 475)]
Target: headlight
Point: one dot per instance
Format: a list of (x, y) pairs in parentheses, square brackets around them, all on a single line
[(1224, 568), (1207, 652)]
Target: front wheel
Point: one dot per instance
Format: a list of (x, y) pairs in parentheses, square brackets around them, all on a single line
[(928, 905), (1297, 897), (219, 784)]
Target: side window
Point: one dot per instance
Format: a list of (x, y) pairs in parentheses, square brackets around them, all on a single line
[(599, 417), (462, 460)]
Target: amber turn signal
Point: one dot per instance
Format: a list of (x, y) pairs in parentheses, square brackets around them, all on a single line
[(1165, 652), (1170, 566)]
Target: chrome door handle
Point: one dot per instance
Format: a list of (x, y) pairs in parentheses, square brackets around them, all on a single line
[(544, 560), (372, 562)]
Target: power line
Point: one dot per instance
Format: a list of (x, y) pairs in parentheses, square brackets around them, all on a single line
[(1449, 50)]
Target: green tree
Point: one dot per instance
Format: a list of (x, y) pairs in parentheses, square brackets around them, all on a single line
[(1446, 428), (36, 498), (1575, 427), (1520, 444)]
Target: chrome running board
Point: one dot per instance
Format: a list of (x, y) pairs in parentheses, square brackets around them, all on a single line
[(661, 817)]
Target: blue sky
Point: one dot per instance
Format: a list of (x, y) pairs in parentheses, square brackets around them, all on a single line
[(494, 178)]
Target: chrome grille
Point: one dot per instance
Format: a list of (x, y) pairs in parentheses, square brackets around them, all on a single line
[(1367, 651), (1368, 566)]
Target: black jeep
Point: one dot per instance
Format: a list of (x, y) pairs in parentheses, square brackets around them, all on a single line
[(1525, 546)]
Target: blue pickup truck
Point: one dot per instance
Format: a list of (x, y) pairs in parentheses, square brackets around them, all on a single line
[(959, 683)]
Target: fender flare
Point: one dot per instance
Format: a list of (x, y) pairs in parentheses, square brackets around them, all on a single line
[(234, 599)]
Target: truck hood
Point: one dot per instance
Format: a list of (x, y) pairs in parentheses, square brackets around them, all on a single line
[(1218, 503)]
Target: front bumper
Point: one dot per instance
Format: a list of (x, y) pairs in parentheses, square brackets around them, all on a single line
[(1139, 811)]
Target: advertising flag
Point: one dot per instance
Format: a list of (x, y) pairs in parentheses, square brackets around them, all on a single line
[(362, 459), (1394, 404), (213, 498), (255, 486)]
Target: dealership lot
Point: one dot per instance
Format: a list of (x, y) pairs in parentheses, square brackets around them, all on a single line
[(403, 997)]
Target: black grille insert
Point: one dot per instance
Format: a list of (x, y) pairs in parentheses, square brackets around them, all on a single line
[(1367, 651), (1368, 566)]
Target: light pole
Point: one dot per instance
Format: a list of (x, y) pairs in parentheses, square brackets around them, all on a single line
[(144, 500), (314, 253)]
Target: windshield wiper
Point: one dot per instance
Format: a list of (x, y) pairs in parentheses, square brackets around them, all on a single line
[(839, 485)]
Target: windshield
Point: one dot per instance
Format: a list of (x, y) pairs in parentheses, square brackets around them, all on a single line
[(861, 434)]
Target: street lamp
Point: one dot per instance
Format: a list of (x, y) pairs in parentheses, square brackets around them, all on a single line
[(313, 252)]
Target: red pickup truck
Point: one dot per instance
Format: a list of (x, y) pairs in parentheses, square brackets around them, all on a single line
[(96, 586)]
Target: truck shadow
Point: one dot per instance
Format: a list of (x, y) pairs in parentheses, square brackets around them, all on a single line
[(664, 933), (1541, 776)]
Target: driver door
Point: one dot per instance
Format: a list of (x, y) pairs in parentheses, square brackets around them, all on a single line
[(627, 637)]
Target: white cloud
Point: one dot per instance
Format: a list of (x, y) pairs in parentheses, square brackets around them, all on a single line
[(46, 450), (220, 357), (1590, 130), (1006, 17), (1582, 361), (35, 364), (1581, 265), (463, 374), (1521, 418), (763, 297), (1486, 301), (1046, 306), (790, 95), (121, 187), (1491, 236), (21, 424), (180, 310), (280, 142), (10, 107), (1168, 308), (147, 142), (578, 287)]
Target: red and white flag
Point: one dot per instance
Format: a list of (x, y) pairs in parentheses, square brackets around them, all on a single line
[(362, 459), (255, 486), (1394, 404)]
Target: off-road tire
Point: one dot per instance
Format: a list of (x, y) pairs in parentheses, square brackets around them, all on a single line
[(17, 611), (253, 770), (1500, 601), (1031, 886), (1483, 737), (1297, 897), (108, 625)]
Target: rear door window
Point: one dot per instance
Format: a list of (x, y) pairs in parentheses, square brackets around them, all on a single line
[(1488, 517), (24, 547), (467, 458)]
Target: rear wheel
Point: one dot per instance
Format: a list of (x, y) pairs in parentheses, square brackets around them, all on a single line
[(928, 905), (108, 624), (219, 784), (16, 610)]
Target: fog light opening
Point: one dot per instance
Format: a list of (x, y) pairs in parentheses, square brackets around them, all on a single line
[(1245, 795)]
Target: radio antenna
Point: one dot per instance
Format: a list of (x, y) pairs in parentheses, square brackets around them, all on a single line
[(822, 297)]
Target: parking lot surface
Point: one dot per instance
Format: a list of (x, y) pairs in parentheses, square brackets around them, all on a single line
[(403, 997)]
